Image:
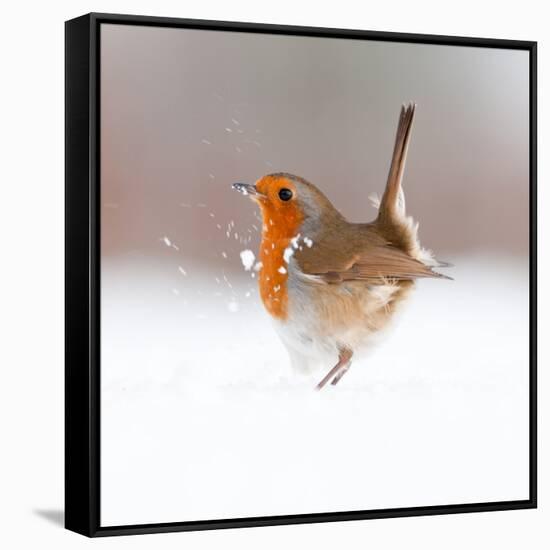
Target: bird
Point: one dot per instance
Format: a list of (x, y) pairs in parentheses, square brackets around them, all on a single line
[(330, 285)]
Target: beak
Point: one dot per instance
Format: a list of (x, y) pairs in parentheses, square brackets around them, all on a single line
[(247, 189)]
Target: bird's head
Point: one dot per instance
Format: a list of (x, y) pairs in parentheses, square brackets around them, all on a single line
[(287, 201)]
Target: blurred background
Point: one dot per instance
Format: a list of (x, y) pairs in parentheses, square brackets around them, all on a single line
[(185, 113), (201, 417)]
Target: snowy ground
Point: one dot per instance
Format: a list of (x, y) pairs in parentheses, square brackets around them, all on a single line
[(202, 419)]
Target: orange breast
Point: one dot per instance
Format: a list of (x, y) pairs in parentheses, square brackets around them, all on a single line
[(281, 222), (273, 276)]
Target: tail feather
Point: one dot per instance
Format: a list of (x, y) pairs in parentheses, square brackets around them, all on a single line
[(392, 204), (399, 229)]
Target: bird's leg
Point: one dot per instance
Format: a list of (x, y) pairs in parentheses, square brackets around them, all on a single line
[(341, 373), (336, 372)]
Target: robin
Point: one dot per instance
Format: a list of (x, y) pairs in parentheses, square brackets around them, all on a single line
[(330, 285)]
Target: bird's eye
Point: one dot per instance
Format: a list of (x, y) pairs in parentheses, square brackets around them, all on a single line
[(285, 194)]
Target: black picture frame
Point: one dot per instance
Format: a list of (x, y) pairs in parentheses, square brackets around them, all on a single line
[(82, 275)]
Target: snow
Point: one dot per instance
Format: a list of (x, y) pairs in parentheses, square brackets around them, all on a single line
[(287, 254), (247, 259), (308, 242), (202, 417)]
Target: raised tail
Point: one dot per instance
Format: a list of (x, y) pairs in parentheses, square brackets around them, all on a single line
[(392, 205), (399, 229)]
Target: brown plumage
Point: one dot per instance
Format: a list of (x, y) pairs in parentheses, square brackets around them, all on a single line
[(331, 285)]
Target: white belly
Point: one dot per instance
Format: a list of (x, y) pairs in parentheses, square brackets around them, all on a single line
[(322, 319)]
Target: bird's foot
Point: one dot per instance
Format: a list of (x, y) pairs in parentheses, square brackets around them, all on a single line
[(336, 372), (340, 373)]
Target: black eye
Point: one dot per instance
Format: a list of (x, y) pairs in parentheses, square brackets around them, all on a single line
[(285, 194)]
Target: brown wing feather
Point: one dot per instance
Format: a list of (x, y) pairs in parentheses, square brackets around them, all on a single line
[(353, 252), (386, 263)]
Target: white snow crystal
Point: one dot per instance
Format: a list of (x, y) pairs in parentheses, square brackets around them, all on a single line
[(224, 255), (181, 270), (258, 266), (308, 241), (206, 142), (282, 270), (247, 258), (287, 254), (233, 306), (228, 130), (227, 281), (374, 200), (169, 243), (295, 240)]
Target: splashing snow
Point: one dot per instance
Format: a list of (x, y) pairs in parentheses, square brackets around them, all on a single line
[(247, 258), (295, 241), (287, 254)]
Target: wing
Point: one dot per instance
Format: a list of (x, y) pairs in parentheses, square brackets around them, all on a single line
[(372, 260), (381, 264)]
